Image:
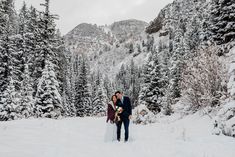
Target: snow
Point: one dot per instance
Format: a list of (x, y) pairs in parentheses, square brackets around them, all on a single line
[(231, 71), (84, 137)]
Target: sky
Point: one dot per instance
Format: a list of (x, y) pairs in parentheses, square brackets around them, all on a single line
[(100, 12)]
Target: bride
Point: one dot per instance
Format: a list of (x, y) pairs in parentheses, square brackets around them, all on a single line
[(111, 130)]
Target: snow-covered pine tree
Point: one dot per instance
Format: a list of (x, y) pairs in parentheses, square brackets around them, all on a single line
[(191, 38), (121, 79), (134, 81), (60, 58), (47, 43), (10, 108), (131, 48), (27, 102), (16, 60), (99, 97), (69, 85), (108, 87), (23, 20), (32, 43), (45, 62), (48, 99), (156, 87), (150, 43), (222, 21), (164, 63), (148, 68), (176, 66), (6, 30), (82, 89), (9, 57)]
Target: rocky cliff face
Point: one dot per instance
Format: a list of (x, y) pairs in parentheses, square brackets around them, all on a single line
[(128, 30), (87, 38)]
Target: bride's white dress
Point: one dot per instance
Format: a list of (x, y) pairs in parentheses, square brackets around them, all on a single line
[(111, 132)]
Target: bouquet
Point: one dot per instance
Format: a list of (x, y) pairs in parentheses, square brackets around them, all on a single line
[(118, 111)]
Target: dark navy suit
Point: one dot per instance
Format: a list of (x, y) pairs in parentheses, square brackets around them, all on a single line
[(124, 116)]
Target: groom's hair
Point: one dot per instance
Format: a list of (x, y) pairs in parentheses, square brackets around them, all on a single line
[(118, 92)]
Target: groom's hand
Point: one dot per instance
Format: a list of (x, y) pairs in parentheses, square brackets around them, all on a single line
[(130, 117)]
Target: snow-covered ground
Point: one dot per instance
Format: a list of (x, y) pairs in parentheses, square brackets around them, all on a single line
[(84, 137)]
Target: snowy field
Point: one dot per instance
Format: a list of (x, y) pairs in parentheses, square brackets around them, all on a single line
[(77, 137)]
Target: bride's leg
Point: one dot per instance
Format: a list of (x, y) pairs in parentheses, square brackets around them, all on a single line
[(119, 125)]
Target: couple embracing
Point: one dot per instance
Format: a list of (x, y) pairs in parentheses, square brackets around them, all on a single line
[(119, 112)]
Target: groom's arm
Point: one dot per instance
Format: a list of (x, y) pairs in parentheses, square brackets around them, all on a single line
[(129, 106)]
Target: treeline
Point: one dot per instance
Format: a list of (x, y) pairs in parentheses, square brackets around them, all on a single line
[(185, 64), (38, 76)]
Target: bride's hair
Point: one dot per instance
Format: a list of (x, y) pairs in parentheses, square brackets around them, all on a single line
[(113, 96)]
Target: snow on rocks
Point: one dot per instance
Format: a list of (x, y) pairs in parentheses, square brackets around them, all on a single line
[(142, 115), (225, 121)]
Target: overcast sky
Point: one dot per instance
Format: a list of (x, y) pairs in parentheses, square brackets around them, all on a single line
[(74, 12)]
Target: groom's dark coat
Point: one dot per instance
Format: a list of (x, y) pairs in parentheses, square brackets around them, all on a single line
[(126, 105)]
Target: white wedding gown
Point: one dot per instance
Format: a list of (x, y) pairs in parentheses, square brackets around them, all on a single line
[(110, 133)]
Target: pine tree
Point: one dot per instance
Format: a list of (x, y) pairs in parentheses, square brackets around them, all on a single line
[(7, 24), (10, 110), (134, 82), (222, 21), (69, 85), (121, 80), (191, 38), (150, 43), (156, 88), (108, 87), (16, 60), (176, 65), (32, 42), (23, 20), (99, 97), (148, 68), (48, 98), (131, 48), (46, 43), (83, 95), (27, 101)]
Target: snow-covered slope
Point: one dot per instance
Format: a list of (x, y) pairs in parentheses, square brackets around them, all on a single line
[(108, 46), (225, 121), (84, 137), (128, 29), (87, 38)]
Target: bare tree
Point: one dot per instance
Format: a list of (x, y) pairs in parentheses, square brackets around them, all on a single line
[(203, 80)]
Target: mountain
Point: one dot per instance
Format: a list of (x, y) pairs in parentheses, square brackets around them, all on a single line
[(87, 38), (128, 29), (108, 47)]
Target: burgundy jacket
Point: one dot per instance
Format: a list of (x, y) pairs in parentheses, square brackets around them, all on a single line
[(110, 113)]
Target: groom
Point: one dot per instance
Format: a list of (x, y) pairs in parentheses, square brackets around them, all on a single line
[(125, 115)]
